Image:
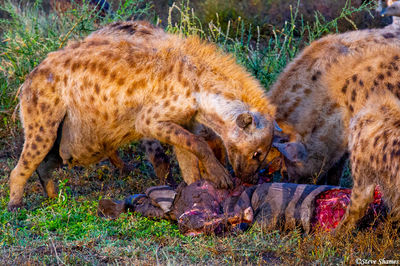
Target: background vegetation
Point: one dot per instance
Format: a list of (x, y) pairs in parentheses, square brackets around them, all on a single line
[(263, 35)]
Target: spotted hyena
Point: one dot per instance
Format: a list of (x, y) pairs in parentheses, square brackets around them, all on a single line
[(84, 101), (332, 81), (307, 112), (191, 168), (368, 91)]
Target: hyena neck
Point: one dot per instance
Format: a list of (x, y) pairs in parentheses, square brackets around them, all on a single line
[(218, 112)]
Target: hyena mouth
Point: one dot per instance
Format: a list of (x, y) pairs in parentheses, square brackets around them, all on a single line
[(251, 178)]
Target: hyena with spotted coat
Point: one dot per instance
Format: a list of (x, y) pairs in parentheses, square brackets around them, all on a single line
[(190, 166), (367, 86), (308, 113), (108, 90), (327, 85)]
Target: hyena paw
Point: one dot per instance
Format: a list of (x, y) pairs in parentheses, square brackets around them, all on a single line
[(13, 207), (221, 177), (126, 169)]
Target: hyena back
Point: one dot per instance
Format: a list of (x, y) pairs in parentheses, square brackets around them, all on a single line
[(108, 90)]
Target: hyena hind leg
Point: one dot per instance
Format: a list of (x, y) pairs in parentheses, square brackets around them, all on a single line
[(52, 161), (31, 157), (123, 167), (41, 122)]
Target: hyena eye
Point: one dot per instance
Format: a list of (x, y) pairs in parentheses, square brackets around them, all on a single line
[(256, 155)]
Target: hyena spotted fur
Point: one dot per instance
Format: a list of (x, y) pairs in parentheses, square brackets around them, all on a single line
[(308, 113), (367, 86), (330, 82), (374, 143), (190, 166), (108, 90)]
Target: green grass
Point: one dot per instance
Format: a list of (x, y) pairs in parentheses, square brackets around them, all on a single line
[(67, 230)]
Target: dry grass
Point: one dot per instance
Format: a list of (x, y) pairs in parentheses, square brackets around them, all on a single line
[(66, 230)]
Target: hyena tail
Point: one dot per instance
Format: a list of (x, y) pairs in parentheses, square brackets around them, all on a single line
[(42, 113)]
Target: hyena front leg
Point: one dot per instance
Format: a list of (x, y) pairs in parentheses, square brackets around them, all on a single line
[(191, 168), (393, 197), (361, 196), (181, 138), (188, 164)]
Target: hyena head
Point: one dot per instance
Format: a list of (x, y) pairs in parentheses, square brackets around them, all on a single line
[(248, 143), (296, 160)]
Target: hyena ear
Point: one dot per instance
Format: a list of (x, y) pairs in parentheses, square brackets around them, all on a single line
[(293, 151), (244, 120)]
